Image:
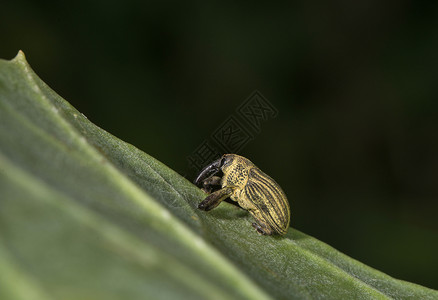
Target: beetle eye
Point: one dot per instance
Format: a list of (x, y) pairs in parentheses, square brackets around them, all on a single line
[(226, 161)]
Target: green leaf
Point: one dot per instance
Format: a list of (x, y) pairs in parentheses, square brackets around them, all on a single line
[(84, 215)]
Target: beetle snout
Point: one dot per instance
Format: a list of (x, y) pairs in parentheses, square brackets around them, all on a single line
[(208, 171)]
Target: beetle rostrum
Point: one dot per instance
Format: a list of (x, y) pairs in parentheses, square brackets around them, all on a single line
[(239, 179)]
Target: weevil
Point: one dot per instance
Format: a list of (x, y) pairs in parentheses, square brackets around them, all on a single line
[(239, 179)]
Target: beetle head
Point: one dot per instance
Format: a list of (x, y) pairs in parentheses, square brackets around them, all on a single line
[(213, 168)]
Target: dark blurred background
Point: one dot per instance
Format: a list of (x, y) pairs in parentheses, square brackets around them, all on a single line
[(354, 144)]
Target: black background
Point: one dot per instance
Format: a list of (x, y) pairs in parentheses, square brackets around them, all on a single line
[(354, 144)]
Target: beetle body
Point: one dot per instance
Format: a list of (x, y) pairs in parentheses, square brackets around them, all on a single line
[(251, 188)]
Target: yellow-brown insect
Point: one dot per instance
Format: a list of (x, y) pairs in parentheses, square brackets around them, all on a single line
[(252, 189)]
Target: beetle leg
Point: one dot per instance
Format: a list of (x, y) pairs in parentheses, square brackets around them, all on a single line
[(215, 198), (261, 230), (261, 226), (210, 183)]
